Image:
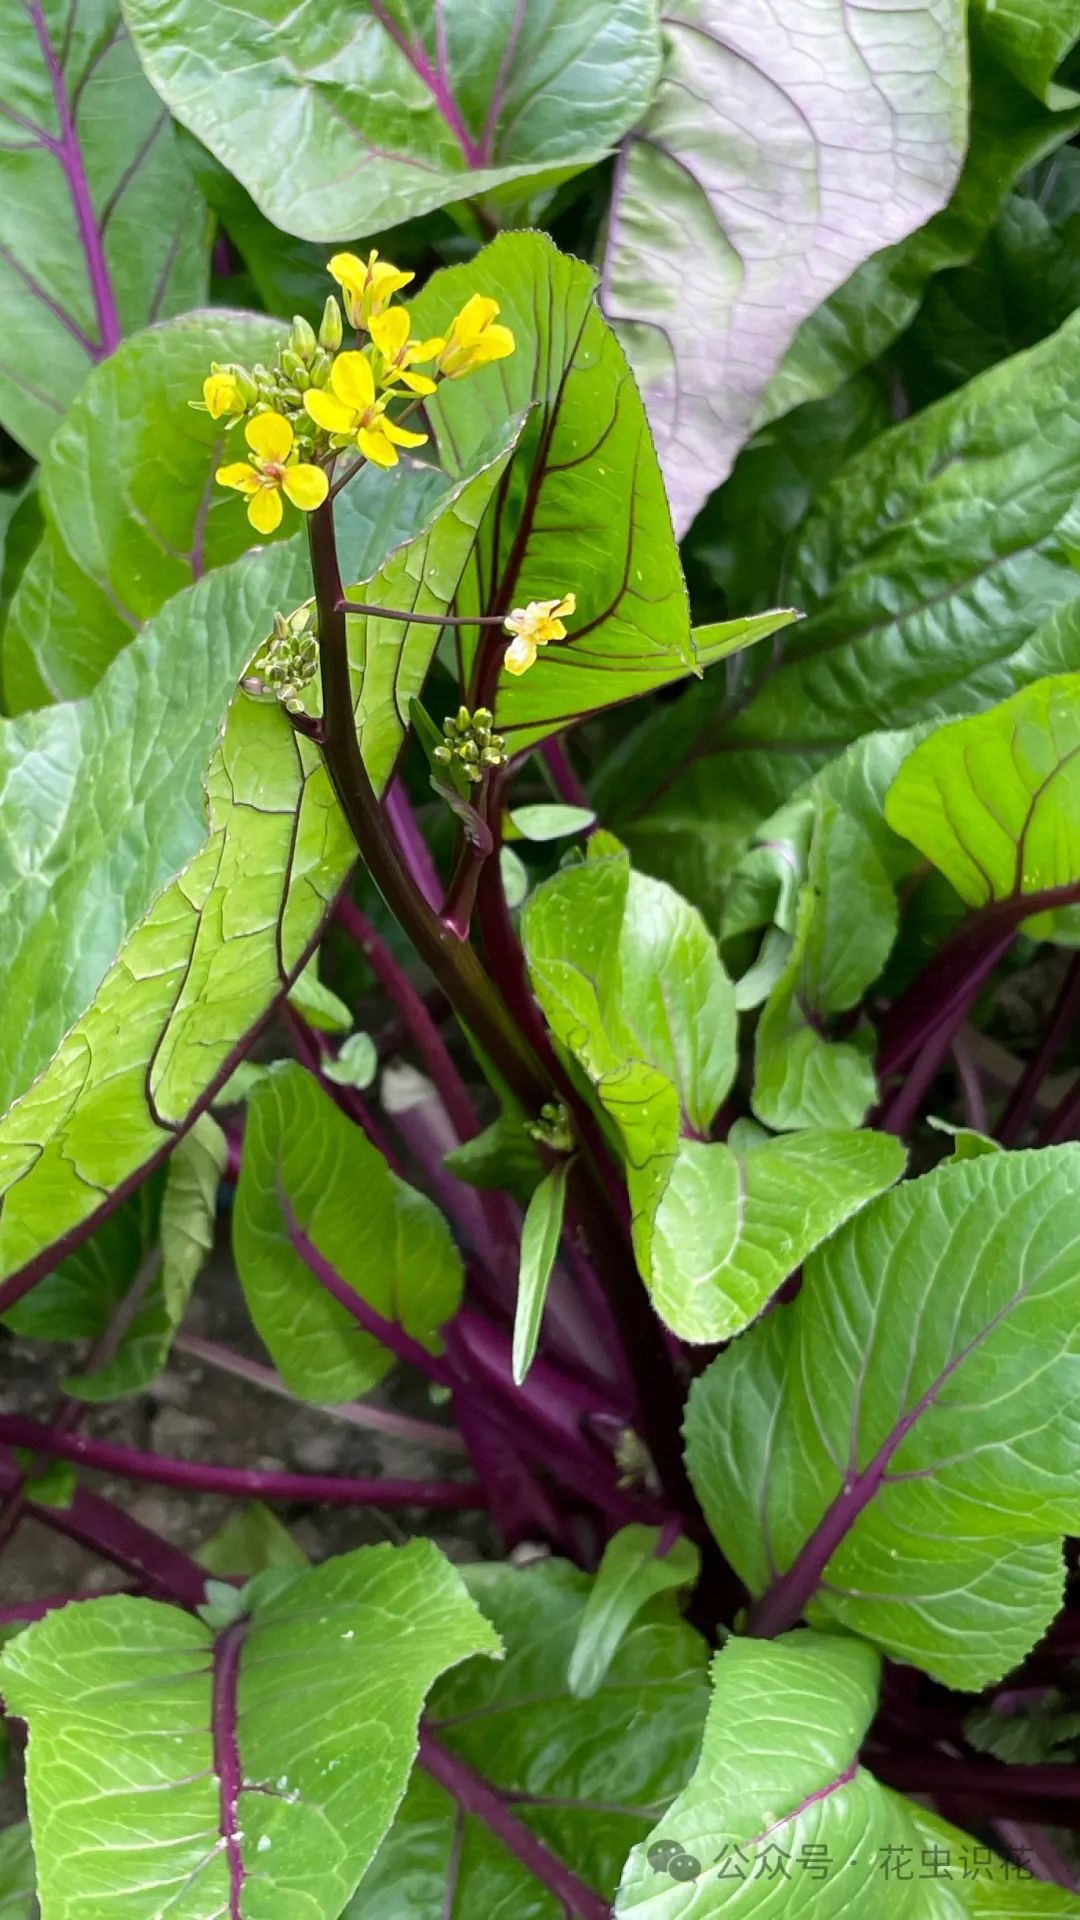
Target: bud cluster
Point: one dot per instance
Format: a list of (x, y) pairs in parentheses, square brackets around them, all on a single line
[(289, 662), (302, 363), (552, 1127), (469, 743)]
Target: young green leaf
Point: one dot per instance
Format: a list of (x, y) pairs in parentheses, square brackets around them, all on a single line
[(845, 924), (994, 801), (503, 1156), (751, 191), (406, 113), (1031, 38), (546, 822), (306, 1167), (874, 1454), (320, 1007), (102, 229), (356, 1065), (540, 1237), (270, 1756), (132, 513), (586, 1777), (730, 1226), (632, 1572), (252, 1539)]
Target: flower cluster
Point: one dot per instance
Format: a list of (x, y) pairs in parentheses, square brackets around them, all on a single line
[(317, 402), (469, 743)]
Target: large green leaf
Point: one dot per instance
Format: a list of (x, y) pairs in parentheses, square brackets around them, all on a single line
[(896, 1453), (730, 1226), (752, 188), (579, 507), (781, 1817), (1009, 132), (251, 1771), (845, 924), (102, 229), (132, 513), (994, 801), (307, 1166), (588, 1777), (345, 121)]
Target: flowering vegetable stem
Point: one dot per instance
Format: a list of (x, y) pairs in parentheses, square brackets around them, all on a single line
[(237, 1483), (1059, 1026), (108, 1531)]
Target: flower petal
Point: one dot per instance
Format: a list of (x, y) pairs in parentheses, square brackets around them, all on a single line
[(416, 382), (376, 446), (353, 381), (476, 315), (568, 604), (238, 475), (349, 271), (270, 436), (402, 436), (265, 510), (519, 656), (494, 344), (307, 487), (328, 412), (390, 331)]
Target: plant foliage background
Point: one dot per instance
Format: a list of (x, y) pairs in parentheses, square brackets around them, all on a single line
[(570, 903)]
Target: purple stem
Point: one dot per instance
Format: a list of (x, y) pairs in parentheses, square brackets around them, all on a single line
[(397, 1426), (1063, 1122), (1060, 1025), (429, 1042), (414, 848), (484, 1220), (224, 1716), (1040, 1849), (475, 1796), (70, 155), (108, 1531), (238, 1483), (940, 1773), (387, 1332), (565, 780), (436, 80), (312, 1050), (971, 1091), (937, 1001)]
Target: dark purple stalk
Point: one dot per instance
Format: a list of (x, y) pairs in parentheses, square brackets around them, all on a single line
[(414, 848), (238, 1483), (356, 1413), (108, 1531), (69, 153), (1039, 1848), (971, 1091), (1058, 1028), (1063, 1122), (936, 1003), (475, 1796), (224, 1716), (564, 779), (940, 1773)]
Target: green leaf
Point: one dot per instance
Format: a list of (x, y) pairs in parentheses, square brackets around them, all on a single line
[(386, 114), (131, 509), (875, 1453), (503, 1156), (17, 1880), (356, 1064), (251, 1539), (968, 1142), (102, 229), (994, 1890), (1009, 133), (306, 1165), (320, 1007), (994, 801), (730, 1226), (588, 1777), (845, 925), (1027, 1732), (547, 822), (160, 1702), (540, 1237), (632, 1572), (930, 561), (1031, 39), (78, 1299), (752, 190)]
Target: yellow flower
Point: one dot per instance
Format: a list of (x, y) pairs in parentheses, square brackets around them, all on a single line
[(272, 471), (222, 395), (533, 626), (390, 333), (368, 286), (473, 340), (352, 409)]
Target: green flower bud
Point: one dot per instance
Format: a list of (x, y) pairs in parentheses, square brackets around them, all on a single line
[(302, 338), (292, 366), (246, 387), (319, 368), (330, 328)]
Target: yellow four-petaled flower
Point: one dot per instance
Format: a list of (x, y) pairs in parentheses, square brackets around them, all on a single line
[(390, 333), (351, 408), (533, 626), (221, 395), (273, 470), (474, 339), (368, 285)]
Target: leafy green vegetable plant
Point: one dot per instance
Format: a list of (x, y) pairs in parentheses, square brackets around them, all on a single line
[(540, 860)]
